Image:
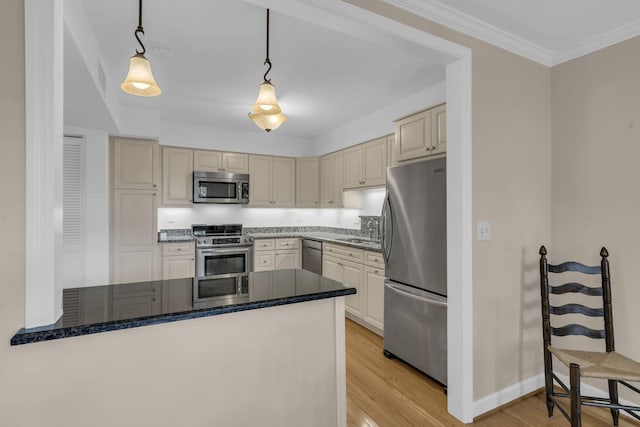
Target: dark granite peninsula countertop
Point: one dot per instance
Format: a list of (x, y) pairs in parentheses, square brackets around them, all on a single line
[(98, 309)]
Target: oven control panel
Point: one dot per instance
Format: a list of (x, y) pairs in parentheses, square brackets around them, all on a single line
[(224, 241)]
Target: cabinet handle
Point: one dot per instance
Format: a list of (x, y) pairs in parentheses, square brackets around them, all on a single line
[(179, 249), (154, 185), (153, 300), (330, 201), (192, 259), (375, 271), (154, 194)]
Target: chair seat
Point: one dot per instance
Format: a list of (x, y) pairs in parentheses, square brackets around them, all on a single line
[(595, 364)]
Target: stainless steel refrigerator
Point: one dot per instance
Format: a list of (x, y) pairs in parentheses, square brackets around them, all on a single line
[(414, 244)]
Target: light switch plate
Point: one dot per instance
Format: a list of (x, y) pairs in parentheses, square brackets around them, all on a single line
[(484, 230)]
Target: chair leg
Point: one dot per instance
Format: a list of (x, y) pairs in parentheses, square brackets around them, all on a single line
[(574, 379), (613, 396), (548, 382)]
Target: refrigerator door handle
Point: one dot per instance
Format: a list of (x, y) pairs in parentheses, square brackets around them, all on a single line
[(387, 237), (416, 297)]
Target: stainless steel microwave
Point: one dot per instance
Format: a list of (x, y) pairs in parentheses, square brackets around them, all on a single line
[(220, 187)]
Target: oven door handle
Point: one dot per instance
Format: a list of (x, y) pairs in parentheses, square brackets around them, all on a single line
[(224, 251)]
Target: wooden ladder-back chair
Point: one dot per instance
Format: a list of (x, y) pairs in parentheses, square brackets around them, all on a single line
[(608, 365)]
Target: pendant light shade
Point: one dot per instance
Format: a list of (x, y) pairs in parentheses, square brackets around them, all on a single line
[(268, 122), (139, 80), (267, 114), (266, 102)]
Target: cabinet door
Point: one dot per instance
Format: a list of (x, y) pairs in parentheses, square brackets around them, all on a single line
[(439, 130), (327, 180), (307, 182), (177, 176), (353, 276), (391, 151), (375, 162), (235, 162), (352, 170), (332, 268), (135, 164), (207, 161), (374, 296), (135, 236), (178, 267), (260, 180), (284, 181), (338, 181), (264, 260), (287, 259), (413, 136)]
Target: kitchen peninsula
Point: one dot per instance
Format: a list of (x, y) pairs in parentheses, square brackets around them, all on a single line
[(279, 349)]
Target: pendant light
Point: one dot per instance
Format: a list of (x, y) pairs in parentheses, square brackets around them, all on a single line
[(267, 114), (140, 80)]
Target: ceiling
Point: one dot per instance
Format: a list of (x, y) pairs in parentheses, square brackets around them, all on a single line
[(207, 56)]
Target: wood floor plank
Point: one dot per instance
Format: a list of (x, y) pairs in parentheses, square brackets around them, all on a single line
[(385, 392)]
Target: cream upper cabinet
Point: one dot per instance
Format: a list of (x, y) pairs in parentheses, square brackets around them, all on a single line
[(307, 189), (391, 150), (331, 181), (421, 134), (365, 165), (177, 176), (217, 161), (272, 181), (439, 129), (135, 164), (374, 165)]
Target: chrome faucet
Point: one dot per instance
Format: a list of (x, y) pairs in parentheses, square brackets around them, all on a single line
[(372, 226)]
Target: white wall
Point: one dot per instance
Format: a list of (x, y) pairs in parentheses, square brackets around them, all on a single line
[(174, 218), (379, 123), (97, 204)]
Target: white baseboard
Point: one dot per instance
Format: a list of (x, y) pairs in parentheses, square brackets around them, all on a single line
[(507, 394), (515, 391)]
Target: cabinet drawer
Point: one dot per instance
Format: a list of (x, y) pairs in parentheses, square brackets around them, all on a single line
[(265, 245), (374, 259), (264, 261), (289, 243), (344, 252), (169, 249)]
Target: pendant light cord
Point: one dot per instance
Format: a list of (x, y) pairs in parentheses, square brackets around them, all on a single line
[(266, 61), (141, 30)]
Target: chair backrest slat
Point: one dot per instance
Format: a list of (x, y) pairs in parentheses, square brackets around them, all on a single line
[(574, 266), (574, 329), (576, 309), (575, 287)]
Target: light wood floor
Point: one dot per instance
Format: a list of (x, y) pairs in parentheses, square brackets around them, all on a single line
[(386, 392)]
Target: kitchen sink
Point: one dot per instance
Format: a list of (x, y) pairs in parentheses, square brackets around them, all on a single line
[(359, 241)]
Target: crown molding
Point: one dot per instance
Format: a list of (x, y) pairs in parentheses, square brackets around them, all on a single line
[(467, 24), (609, 38), (445, 15)]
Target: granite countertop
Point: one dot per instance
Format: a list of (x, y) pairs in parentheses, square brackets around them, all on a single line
[(337, 236), (340, 239), (99, 309)]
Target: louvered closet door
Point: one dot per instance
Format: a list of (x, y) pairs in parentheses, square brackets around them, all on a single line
[(73, 195)]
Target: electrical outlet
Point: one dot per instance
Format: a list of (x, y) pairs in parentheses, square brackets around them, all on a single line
[(484, 230)]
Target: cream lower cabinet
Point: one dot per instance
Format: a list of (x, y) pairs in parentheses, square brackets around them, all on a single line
[(276, 254), (178, 260), (272, 181), (135, 236), (363, 270)]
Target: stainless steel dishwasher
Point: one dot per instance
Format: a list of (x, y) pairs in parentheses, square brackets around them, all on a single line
[(312, 255)]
